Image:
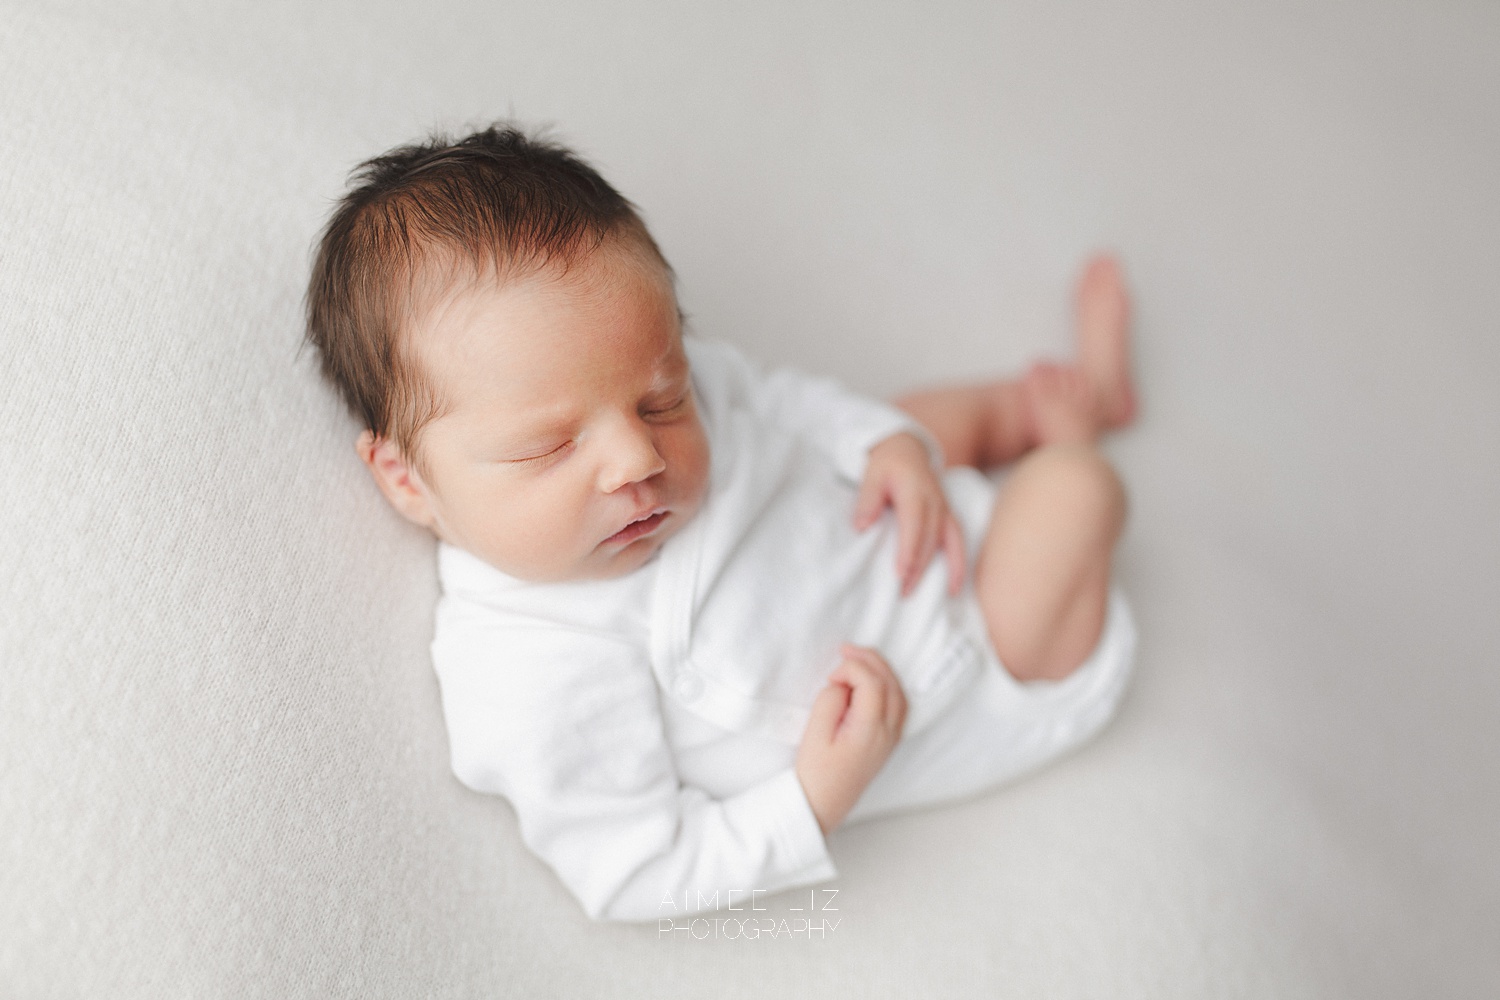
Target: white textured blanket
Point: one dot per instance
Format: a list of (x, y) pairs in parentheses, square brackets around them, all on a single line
[(222, 761)]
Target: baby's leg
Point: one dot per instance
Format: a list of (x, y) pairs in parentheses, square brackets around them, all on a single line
[(982, 425), (1043, 573), (992, 423)]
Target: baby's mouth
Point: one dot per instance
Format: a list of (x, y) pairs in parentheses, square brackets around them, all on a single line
[(639, 528)]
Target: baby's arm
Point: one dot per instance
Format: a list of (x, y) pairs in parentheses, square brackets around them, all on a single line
[(856, 722), (567, 727), (844, 424), (893, 459)]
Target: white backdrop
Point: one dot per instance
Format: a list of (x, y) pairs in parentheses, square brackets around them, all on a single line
[(222, 763)]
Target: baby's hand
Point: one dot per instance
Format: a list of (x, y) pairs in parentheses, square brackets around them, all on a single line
[(856, 721), (899, 474)]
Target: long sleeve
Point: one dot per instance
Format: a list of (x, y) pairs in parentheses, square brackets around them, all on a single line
[(567, 726), (844, 424)]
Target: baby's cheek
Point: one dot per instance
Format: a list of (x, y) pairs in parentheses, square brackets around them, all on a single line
[(689, 459), (542, 533)]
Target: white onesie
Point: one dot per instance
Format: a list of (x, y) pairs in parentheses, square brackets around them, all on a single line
[(645, 727)]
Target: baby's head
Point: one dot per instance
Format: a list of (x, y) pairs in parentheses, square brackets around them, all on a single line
[(504, 326)]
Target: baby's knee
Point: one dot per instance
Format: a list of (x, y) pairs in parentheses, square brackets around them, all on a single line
[(1075, 482)]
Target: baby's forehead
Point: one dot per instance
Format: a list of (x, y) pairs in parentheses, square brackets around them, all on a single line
[(537, 333), (442, 278)]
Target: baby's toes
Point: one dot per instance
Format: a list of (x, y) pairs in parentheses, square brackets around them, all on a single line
[(1102, 284)]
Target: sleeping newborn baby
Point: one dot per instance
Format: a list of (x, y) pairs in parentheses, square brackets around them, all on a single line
[(696, 614)]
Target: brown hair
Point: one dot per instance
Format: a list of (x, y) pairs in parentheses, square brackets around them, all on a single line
[(497, 198)]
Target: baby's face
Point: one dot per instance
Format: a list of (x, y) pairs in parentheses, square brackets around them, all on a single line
[(571, 446)]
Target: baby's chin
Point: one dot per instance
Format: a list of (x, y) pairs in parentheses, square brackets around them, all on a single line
[(632, 559)]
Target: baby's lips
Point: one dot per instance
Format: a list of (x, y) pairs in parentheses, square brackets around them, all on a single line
[(658, 513)]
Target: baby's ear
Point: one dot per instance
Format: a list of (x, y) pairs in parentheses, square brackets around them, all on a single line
[(401, 484)]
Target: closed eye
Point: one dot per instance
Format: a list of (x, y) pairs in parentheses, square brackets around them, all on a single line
[(540, 457), (667, 409)]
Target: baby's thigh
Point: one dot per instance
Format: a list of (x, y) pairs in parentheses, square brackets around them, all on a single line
[(1005, 728)]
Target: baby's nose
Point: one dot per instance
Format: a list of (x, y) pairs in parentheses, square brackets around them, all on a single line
[(630, 456)]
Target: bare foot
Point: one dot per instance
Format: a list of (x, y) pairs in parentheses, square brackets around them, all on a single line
[(1060, 403), (1104, 341)]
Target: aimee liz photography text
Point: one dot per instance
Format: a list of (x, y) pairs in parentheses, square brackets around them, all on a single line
[(749, 915)]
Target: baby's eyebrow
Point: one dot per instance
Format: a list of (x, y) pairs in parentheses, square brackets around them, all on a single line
[(523, 432), (660, 385), (676, 377), (527, 431)]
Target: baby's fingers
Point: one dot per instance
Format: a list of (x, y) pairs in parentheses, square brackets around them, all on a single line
[(911, 529), (932, 537), (876, 694), (918, 549), (870, 502), (953, 550), (827, 712), (895, 709), (859, 668)]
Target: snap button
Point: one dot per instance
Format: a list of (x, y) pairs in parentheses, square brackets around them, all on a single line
[(688, 686)]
